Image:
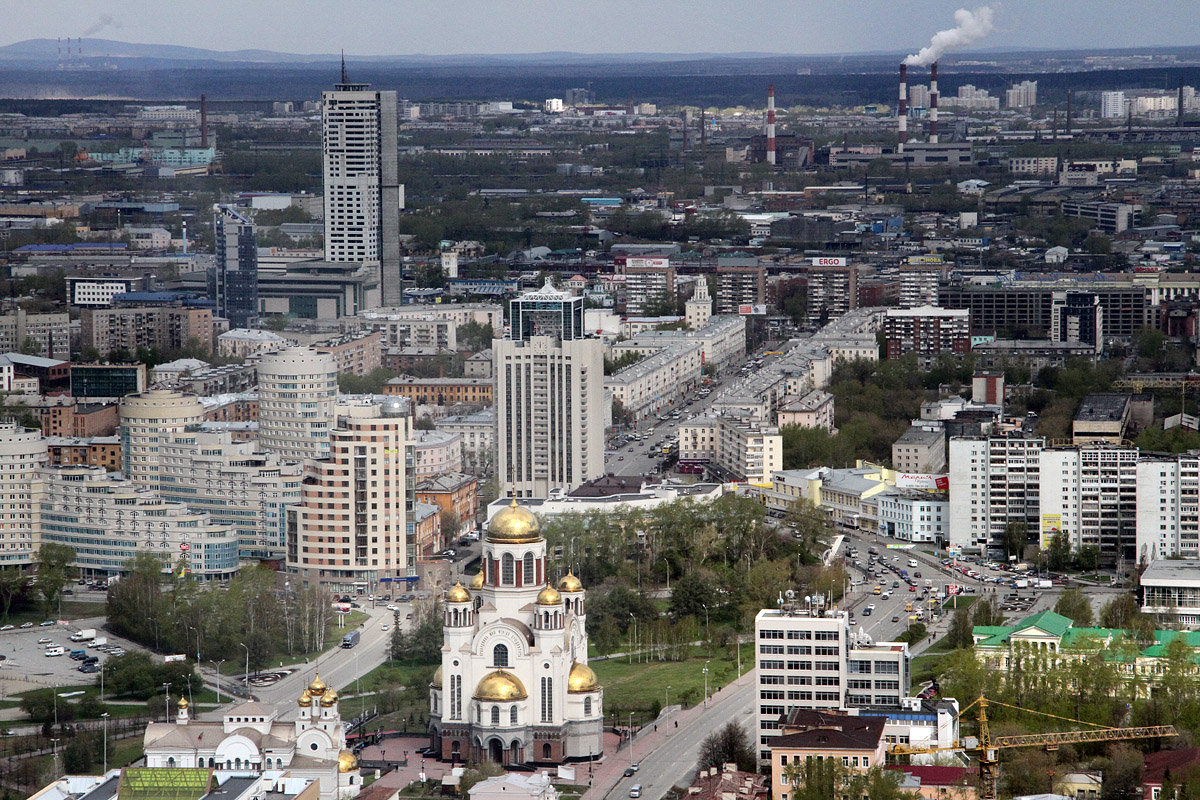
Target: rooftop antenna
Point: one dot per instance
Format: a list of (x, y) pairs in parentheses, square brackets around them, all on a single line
[(344, 66)]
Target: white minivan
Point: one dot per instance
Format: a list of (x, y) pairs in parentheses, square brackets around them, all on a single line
[(56, 651)]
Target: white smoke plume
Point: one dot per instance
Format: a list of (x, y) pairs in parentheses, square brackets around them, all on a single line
[(105, 21), (969, 26)]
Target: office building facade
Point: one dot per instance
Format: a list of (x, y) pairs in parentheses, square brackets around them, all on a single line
[(994, 480), (148, 420), (297, 388), (233, 279)]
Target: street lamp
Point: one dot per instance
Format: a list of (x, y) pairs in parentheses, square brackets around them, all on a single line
[(167, 699), (631, 762), (218, 665), (707, 630), (104, 717), (667, 564), (247, 678), (193, 630), (667, 696), (705, 671)]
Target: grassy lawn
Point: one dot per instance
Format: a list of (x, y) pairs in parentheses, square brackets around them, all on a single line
[(641, 687), (926, 667), (71, 609), (960, 601), (401, 692)]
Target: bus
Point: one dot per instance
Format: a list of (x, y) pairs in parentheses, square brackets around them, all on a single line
[(350, 640)]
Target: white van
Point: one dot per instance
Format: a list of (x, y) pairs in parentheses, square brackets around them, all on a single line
[(912, 563), (56, 651), (635, 790)]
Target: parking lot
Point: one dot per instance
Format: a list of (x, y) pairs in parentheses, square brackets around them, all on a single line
[(25, 659)]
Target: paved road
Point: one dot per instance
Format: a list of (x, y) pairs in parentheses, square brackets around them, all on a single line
[(338, 668), (667, 756)]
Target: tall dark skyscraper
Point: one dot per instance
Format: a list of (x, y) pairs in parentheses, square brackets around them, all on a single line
[(233, 280)]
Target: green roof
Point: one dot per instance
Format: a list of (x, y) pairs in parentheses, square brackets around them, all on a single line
[(163, 783), (1051, 623)]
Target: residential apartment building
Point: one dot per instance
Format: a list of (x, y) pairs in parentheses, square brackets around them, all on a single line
[(297, 388), (658, 381), (233, 278), (65, 417), (1021, 95), (1089, 492), (23, 453), (246, 342), (698, 309), (1168, 507), (919, 283), (442, 391), (722, 338), (1077, 317), (855, 741), (358, 353), (436, 452), (731, 447), (813, 409), (921, 449), (151, 327), (455, 493), (994, 480), (427, 325), (549, 397), (1027, 305), (928, 331), (355, 521), (478, 432), (50, 334), (648, 284), (915, 516), (832, 291), (362, 192), (109, 521), (93, 451), (236, 483), (1034, 165), (739, 287), (808, 658), (148, 420)]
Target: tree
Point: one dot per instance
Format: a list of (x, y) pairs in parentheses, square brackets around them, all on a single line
[(424, 644), (78, 756), (985, 613), (1089, 558), (729, 745), (960, 634), (689, 594), (1058, 554), (54, 570), (1074, 605), (13, 582), (1016, 537), (474, 336)]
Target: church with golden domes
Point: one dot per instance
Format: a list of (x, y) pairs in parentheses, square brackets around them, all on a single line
[(251, 738), (514, 686)]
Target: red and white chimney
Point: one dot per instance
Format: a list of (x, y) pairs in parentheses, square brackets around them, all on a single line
[(933, 104), (771, 124), (902, 110)]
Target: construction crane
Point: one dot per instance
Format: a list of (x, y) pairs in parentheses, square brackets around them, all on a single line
[(985, 746), (1140, 383)]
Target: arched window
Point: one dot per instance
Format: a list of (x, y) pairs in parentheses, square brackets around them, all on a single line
[(547, 699), (528, 578), (500, 655), (546, 751), (587, 706), (211, 762), (171, 761), (507, 570), (496, 715), (512, 716), (478, 714)]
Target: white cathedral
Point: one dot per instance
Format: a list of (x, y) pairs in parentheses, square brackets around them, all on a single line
[(251, 738), (514, 686)]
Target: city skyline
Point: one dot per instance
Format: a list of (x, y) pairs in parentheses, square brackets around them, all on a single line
[(620, 26)]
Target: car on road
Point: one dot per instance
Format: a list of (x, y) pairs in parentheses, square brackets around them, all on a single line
[(629, 772), (89, 669), (25, 625), (895, 617), (620, 458), (393, 608), (46, 624), (7, 627), (45, 640), (383, 627)]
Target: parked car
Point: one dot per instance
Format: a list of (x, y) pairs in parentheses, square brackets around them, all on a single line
[(25, 625)]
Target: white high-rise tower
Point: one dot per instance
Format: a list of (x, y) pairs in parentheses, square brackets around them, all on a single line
[(362, 185), (297, 389)]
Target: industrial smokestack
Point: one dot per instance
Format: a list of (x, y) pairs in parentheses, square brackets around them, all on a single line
[(203, 121), (703, 131), (902, 110), (771, 124), (1179, 106), (933, 104)]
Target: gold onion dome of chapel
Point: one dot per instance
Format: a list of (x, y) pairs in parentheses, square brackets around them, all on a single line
[(437, 677), (305, 699), (569, 583), (317, 687), (514, 525), (477, 581), (549, 596), (458, 594), (500, 687), (347, 762), (582, 679), (329, 699), (183, 702)]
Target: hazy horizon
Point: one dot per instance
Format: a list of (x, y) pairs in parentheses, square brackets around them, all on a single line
[(516, 27)]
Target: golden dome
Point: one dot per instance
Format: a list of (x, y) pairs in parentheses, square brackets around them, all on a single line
[(317, 687), (305, 700), (347, 762), (183, 703), (437, 678), (582, 679), (329, 699), (458, 594), (500, 687), (477, 582), (570, 583), (514, 525), (549, 596)]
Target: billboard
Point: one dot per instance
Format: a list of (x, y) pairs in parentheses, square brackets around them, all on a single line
[(829, 261), (653, 262), (953, 589), (169, 659), (926, 482), (1051, 525), (752, 309), (928, 260)]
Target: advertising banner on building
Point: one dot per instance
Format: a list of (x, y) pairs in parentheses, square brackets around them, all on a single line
[(923, 481), (1051, 525)]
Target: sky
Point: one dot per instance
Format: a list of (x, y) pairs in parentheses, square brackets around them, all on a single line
[(447, 27)]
